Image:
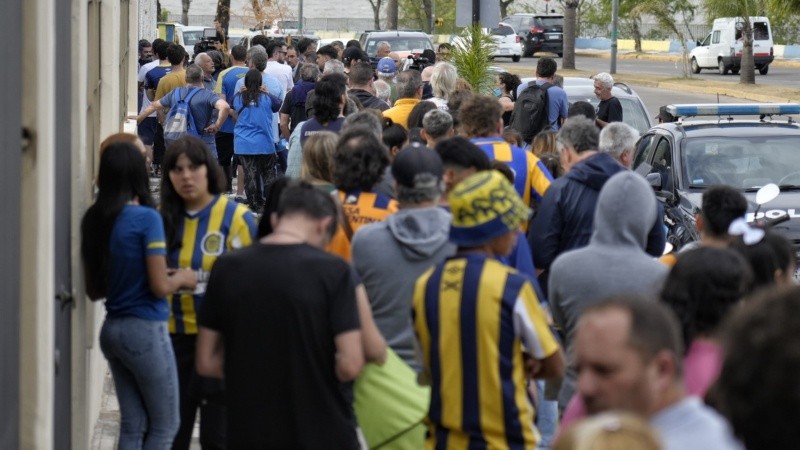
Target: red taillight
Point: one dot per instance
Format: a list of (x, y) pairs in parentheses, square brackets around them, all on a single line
[(770, 52), (537, 30), (519, 39)]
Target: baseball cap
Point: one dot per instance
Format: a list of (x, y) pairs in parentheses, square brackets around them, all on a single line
[(414, 160), (386, 65), (485, 206), (353, 52)]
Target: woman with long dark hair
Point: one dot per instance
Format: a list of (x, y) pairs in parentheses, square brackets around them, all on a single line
[(200, 225), (124, 255), (506, 91), (253, 140)]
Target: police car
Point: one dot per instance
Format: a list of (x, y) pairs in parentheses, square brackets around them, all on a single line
[(743, 145)]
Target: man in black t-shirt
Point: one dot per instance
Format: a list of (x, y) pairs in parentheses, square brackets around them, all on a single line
[(280, 321), (610, 109)]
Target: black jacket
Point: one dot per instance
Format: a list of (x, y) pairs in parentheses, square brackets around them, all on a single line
[(368, 100)]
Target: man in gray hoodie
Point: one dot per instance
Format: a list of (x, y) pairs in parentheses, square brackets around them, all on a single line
[(390, 255), (614, 262)]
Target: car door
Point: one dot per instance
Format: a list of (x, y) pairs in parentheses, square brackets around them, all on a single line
[(701, 53), (717, 48)]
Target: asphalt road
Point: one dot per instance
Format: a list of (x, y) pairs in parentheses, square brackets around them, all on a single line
[(780, 76)]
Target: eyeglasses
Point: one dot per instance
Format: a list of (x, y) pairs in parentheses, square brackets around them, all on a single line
[(282, 53)]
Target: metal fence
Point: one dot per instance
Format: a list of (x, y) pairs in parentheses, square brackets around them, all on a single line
[(313, 24), (651, 31)]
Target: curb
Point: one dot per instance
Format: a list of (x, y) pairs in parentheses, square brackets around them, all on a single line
[(666, 57)]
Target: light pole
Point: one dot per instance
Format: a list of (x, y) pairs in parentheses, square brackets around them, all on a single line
[(614, 31)]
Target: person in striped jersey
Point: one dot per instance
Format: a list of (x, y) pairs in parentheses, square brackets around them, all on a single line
[(474, 317), (200, 225), (482, 121)]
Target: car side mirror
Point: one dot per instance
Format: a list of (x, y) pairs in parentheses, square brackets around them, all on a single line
[(654, 179)]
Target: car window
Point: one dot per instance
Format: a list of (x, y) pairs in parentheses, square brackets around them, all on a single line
[(634, 115), (745, 162), (715, 37), (192, 37), (400, 44), (551, 21), (760, 31), (644, 151), (503, 30), (707, 40)]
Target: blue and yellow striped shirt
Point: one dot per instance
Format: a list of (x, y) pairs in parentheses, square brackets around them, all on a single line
[(221, 226), (531, 177), (473, 315), (359, 208)]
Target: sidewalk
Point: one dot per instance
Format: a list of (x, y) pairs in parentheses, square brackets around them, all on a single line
[(106, 429)]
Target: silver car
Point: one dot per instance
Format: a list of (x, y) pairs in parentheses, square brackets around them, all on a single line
[(634, 112)]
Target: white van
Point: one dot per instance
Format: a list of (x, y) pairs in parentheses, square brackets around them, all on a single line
[(722, 48)]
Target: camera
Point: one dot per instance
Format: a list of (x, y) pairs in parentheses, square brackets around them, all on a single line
[(205, 44)]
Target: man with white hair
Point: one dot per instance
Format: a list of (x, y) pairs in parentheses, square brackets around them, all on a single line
[(207, 64), (610, 109), (383, 91), (383, 49), (618, 139), (437, 125)]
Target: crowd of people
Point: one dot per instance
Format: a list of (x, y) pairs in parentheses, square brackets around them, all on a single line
[(410, 270)]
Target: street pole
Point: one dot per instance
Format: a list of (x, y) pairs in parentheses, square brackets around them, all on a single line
[(614, 32), (476, 13), (300, 17)]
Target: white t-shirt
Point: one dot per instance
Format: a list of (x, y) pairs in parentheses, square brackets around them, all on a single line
[(142, 72), (283, 72)]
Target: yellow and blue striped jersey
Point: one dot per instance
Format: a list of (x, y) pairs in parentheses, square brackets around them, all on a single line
[(221, 226), (531, 177), (473, 316), (359, 208)]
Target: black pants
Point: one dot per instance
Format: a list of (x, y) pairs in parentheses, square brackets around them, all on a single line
[(260, 171), (159, 147), (225, 155), (197, 392)]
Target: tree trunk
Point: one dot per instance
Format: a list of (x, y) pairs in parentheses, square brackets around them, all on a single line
[(427, 10), (224, 13), (391, 15), (637, 36), (185, 11), (570, 22), (376, 13), (504, 4), (747, 74)]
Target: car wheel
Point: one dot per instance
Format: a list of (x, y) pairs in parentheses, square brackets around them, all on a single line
[(695, 67), (527, 52), (515, 58), (735, 71), (764, 70), (722, 69)]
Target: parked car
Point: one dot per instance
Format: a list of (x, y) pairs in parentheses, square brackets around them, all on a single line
[(634, 113), (681, 159), (539, 32), (508, 42), (722, 48), (403, 42)]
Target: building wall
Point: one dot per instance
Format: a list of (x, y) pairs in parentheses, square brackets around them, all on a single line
[(102, 46)]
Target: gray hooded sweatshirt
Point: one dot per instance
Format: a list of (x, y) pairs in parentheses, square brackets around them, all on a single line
[(614, 262), (389, 256)]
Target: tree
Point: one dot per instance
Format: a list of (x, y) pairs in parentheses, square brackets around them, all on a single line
[(223, 14), (417, 15), (376, 12), (743, 10), (392, 14), (666, 13), (185, 11), (570, 24), (471, 55), (504, 4)]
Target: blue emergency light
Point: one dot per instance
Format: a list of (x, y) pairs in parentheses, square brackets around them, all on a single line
[(733, 109)]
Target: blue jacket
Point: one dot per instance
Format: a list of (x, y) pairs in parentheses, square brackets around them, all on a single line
[(565, 217)]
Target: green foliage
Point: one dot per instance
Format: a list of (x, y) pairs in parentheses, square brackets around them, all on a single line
[(164, 15), (472, 51), (412, 15)]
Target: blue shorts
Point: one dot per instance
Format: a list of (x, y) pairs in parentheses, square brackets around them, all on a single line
[(147, 130)]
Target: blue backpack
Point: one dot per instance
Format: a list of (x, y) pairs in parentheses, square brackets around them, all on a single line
[(179, 122)]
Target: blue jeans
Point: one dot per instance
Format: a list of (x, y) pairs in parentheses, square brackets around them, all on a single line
[(546, 417), (139, 353)]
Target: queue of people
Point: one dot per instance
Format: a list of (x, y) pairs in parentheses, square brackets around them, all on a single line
[(411, 273)]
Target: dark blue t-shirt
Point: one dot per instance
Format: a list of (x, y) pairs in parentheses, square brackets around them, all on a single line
[(312, 126), (137, 233), (155, 75)]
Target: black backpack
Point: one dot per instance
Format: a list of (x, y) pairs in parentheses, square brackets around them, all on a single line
[(530, 111)]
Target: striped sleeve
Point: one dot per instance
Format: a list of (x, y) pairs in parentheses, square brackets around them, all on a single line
[(539, 175), (243, 228), (530, 325), (154, 240)]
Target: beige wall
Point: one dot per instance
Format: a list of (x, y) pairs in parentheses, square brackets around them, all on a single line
[(95, 114)]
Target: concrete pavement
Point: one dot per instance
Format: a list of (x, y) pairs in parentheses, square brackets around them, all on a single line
[(762, 92)]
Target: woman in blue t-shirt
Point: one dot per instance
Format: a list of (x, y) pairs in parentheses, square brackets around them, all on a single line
[(253, 141), (124, 254)]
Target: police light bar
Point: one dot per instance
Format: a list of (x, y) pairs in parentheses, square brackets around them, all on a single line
[(733, 109)]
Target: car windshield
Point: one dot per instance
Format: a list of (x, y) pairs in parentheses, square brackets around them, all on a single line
[(400, 44), (744, 162), (192, 37)]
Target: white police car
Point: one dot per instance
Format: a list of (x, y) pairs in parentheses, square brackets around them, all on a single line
[(745, 146)]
